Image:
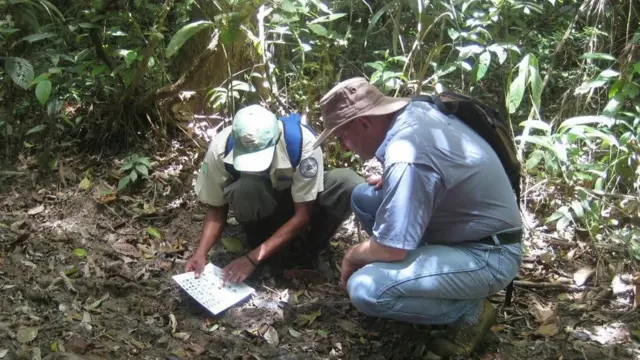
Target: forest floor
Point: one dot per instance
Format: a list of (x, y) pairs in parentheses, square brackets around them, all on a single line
[(89, 275)]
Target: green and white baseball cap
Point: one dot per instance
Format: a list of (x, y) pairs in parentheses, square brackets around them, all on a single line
[(256, 131)]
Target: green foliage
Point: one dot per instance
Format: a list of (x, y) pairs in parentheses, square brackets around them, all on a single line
[(564, 72), (136, 167)]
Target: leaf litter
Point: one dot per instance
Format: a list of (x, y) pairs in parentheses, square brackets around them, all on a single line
[(98, 284)]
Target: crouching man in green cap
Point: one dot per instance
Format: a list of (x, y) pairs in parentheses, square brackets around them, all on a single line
[(267, 171)]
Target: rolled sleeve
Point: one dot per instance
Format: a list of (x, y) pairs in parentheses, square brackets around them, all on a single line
[(308, 179), (411, 193)]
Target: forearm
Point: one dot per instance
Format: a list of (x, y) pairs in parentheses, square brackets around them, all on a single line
[(372, 251), (213, 224), (281, 237)]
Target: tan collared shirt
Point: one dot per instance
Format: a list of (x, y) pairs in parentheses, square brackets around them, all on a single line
[(306, 181)]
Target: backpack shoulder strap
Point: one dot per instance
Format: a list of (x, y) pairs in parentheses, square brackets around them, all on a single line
[(292, 129), (435, 100), (227, 149)]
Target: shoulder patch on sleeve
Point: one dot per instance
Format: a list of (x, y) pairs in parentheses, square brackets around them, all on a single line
[(308, 167)]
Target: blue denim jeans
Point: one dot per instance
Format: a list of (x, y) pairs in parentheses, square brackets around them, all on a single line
[(434, 284)]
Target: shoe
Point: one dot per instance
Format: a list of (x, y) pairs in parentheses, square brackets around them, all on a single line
[(465, 340)]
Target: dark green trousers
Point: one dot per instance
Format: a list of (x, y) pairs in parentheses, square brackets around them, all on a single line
[(261, 211)]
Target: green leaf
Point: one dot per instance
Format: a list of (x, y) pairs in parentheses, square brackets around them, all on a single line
[(40, 78), (133, 175), (609, 74), (242, 86), (483, 65), (288, 6), (184, 34), (535, 80), (36, 129), (154, 232), (84, 184), (98, 69), (597, 56), (127, 166), (328, 18), (36, 37), (123, 182), (233, 245), (537, 124), (144, 161), (589, 119), (20, 70), (43, 90), (577, 208), (466, 51), (142, 169), (499, 51), (375, 18), (81, 253), (516, 92), (534, 159), (560, 213), (318, 29)]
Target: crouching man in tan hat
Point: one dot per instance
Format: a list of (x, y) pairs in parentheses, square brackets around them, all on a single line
[(268, 173), (443, 220)]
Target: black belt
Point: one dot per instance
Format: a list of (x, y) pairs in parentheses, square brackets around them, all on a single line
[(503, 238)]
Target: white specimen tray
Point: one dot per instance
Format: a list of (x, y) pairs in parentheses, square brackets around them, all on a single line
[(208, 289)]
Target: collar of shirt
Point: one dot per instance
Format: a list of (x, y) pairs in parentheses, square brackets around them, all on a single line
[(396, 124)]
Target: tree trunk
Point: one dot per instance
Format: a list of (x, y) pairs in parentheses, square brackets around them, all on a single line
[(226, 61)]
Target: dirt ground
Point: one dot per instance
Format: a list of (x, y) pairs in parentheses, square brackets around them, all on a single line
[(85, 275)]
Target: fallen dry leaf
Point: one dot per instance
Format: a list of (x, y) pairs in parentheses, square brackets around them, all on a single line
[(549, 329), (77, 344), (542, 313), (348, 326), (126, 249), (36, 210), (583, 275), (105, 199), (312, 276), (184, 336), (3, 353), (26, 334), (174, 323), (271, 336), (294, 333), (308, 318), (497, 328), (195, 349), (492, 356)]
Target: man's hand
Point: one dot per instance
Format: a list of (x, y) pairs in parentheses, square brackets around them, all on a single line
[(375, 180), (346, 270), (238, 270), (196, 264), (366, 253)]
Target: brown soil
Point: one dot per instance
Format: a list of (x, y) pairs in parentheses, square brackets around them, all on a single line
[(65, 287)]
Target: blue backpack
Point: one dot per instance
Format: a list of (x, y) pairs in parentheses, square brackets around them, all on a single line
[(292, 129)]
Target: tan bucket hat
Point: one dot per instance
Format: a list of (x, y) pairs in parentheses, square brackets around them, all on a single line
[(351, 99)]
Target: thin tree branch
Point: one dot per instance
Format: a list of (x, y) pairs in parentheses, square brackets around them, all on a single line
[(148, 51)]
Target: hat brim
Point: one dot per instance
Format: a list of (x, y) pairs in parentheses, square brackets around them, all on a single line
[(252, 161), (387, 105)]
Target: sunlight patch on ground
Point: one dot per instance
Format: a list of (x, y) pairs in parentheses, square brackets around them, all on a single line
[(608, 334)]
